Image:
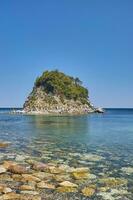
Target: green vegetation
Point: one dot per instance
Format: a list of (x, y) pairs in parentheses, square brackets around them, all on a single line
[(57, 83)]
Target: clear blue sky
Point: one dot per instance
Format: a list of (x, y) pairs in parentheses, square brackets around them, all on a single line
[(91, 39)]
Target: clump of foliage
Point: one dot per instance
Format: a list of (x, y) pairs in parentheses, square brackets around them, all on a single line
[(57, 83)]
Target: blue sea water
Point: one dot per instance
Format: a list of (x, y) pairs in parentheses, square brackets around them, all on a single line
[(64, 139), (113, 129)]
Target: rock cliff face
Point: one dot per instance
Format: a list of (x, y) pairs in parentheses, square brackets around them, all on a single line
[(56, 93)]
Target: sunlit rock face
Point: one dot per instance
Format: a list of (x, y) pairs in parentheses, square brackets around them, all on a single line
[(56, 93)]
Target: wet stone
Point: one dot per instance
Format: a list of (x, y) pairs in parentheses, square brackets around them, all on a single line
[(38, 166), (7, 164), (14, 167), (5, 177), (127, 170), (29, 192), (106, 196), (88, 191), (68, 184), (20, 158), (17, 177), (26, 187), (55, 170), (31, 162), (10, 196), (66, 189), (80, 175), (118, 191), (92, 157), (112, 182), (62, 177), (103, 189), (2, 169), (66, 168), (28, 177), (43, 184), (4, 144), (43, 175), (30, 197), (17, 169), (70, 177), (5, 189), (80, 170)]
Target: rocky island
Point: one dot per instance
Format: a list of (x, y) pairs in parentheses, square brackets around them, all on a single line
[(57, 93)]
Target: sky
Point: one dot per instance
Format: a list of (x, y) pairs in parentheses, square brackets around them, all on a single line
[(89, 39)]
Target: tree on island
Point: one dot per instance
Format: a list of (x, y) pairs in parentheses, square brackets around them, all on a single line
[(57, 83)]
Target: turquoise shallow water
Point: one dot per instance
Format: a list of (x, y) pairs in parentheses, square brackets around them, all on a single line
[(67, 139), (112, 130)]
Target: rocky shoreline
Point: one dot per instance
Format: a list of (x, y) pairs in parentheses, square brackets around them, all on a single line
[(57, 112), (52, 104)]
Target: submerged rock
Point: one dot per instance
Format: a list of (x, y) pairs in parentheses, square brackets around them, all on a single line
[(113, 182), (21, 157), (31, 162), (5, 177), (29, 192), (66, 168), (16, 177), (81, 175), (88, 191), (127, 170), (2, 169), (40, 166), (28, 177), (4, 144), (43, 175), (104, 189), (17, 169), (92, 157), (66, 189), (10, 196), (26, 187), (5, 189), (68, 184), (80, 170), (62, 177), (55, 170), (7, 164), (106, 196), (43, 184), (120, 191), (30, 197)]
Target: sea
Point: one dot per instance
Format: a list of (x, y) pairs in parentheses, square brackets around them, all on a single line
[(101, 142)]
